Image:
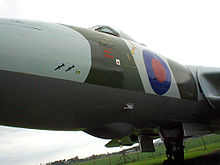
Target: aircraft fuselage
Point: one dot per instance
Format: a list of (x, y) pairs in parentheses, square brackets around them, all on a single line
[(59, 77)]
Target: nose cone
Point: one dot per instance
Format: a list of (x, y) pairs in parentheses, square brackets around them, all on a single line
[(39, 48), (42, 67)]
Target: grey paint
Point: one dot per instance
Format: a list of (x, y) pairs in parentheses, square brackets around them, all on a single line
[(38, 48), (116, 130), (195, 129), (209, 80), (194, 72)]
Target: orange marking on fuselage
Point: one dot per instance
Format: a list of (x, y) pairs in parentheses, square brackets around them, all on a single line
[(109, 56), (158, 70), (106, 51)]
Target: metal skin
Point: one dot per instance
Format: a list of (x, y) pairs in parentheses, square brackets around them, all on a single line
[(59, 77)]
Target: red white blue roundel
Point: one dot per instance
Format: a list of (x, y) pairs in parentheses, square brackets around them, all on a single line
[(158, 72)]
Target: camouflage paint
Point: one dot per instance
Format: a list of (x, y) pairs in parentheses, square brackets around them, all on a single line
[(106, 50), (185, 81), (35, 95)]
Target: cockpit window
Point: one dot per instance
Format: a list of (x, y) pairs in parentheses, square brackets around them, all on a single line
[(107, 30), (111, 31)]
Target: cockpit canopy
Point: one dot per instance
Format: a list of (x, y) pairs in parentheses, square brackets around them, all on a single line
[(111, 31)]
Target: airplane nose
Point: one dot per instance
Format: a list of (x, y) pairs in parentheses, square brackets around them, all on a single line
[(39, 48), (42, 68)]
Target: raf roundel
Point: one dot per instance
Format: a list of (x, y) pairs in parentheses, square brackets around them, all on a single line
[(158, 72)]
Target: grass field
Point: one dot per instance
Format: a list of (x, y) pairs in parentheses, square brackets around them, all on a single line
[(193, 148)]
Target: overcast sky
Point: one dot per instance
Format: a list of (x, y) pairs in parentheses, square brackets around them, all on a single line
[(187, 31)]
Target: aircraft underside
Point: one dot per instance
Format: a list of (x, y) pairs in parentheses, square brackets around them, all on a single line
[(60, 104), (103, 112)]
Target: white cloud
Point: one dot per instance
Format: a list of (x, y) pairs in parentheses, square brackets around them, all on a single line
[(27, 146), (9, 8)]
